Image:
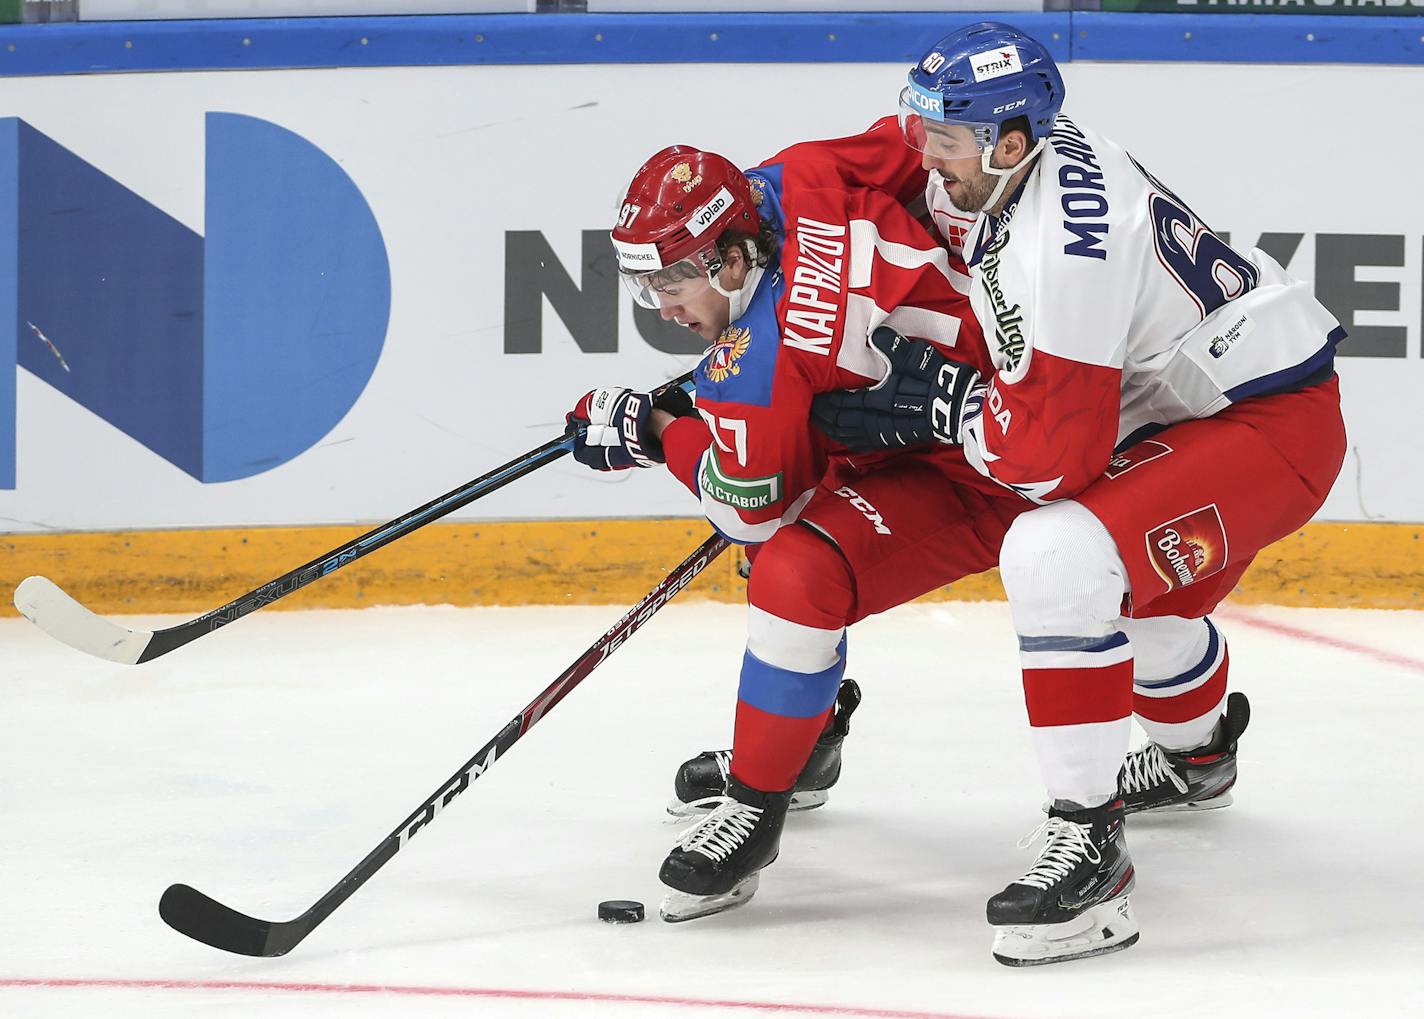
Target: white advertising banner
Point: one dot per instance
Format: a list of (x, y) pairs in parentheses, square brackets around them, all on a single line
[(344, 292)]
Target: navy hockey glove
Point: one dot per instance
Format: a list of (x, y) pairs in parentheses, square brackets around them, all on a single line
[(616, 432), (925, 398)]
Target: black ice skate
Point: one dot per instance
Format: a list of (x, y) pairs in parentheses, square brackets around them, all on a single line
[(1072, 903), (706, 774), (716, 862), (1156, 779)]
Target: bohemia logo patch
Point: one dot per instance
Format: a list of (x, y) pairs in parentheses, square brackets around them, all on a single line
[(1135, 456), (1188, 549), (722, 358)]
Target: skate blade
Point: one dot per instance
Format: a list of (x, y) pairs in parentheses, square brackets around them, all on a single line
[(679, 906), (808, 800), (1191, 806), (1107, 927)]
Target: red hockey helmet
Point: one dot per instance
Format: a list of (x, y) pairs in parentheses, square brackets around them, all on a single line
[(680, 201)]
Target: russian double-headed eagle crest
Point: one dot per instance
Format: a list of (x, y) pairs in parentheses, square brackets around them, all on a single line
[(682, 174), (722, 358)]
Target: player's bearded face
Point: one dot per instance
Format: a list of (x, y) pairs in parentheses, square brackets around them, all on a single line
[(951, 149)]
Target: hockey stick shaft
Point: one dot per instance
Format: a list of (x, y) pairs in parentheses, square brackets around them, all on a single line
[(204, 919), (49, 607)]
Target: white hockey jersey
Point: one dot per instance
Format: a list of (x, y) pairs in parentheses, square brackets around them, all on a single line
[(1110, 310)]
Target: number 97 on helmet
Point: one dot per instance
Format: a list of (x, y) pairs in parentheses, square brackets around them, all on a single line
[(680, 202)]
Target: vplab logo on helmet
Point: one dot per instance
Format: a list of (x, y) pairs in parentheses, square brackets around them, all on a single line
[(995, 63), (707, 215), (1189, 548)]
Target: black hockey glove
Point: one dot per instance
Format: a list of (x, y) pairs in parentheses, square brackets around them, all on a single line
[(616, 432), (925, 398)]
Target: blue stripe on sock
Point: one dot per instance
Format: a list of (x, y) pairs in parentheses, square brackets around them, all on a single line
[(1194, 673), (1107, 643), (790, 694)]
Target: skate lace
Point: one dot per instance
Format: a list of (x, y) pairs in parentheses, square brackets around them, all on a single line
[(724, 764), (720, 832), (1146, 767), (1068, 843)]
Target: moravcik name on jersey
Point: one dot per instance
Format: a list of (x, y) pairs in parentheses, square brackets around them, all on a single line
[(1089, 200)]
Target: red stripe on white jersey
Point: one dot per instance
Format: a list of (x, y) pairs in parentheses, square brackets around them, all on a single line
[(1189, 705), (1078, 696)]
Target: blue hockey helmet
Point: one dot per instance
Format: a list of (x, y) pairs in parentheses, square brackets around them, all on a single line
[(979, 77)]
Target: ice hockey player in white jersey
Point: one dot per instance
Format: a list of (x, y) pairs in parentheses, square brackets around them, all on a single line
[(1171, 407)]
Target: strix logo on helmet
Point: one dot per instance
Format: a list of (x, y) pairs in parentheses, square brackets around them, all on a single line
[(987, 74), (680, 201)]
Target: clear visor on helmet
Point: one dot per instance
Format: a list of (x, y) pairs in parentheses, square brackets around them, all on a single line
[(924, 131), (675, 284)]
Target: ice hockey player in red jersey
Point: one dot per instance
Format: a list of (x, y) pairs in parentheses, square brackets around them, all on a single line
[(1167, 404), (786, 271)]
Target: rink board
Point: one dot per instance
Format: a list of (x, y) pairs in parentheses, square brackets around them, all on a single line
[(589, 562), (469, 297), (474, 290)]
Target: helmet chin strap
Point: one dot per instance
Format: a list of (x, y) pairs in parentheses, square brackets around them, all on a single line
[(1004, 173), (741, 297)]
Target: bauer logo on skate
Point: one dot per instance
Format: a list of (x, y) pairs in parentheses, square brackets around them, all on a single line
[(1189, 548)]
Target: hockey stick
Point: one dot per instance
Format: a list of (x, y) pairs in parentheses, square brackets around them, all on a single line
[(48, 606), (190, 912)]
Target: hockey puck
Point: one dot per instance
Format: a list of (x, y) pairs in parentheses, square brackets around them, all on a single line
[(620, 911)]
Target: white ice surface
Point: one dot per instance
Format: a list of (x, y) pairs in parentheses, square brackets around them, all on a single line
[(263, 762)]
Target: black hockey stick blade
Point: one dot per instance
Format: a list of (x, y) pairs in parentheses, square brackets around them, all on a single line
[(188, 911), (54, 610)]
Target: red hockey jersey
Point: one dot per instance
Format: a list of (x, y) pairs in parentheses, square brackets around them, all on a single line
[(851, 259)]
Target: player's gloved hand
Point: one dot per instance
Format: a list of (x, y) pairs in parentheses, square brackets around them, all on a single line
[(925, 398), (617, 433)]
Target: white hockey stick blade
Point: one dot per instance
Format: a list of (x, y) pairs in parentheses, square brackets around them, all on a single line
[(44, 603)]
